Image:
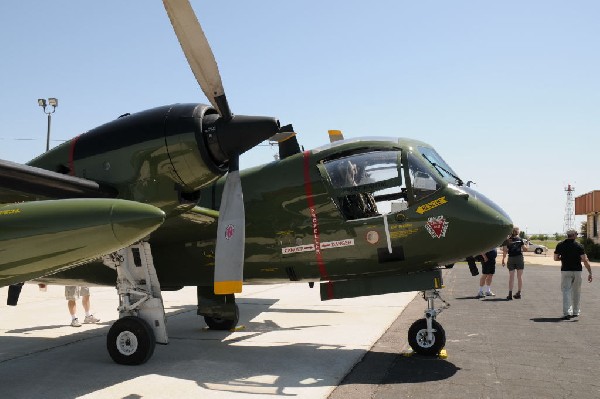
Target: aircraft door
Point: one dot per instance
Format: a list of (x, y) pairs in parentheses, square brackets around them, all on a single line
[(370, 193)]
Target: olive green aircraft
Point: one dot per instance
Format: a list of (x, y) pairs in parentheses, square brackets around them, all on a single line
[(358, 217)]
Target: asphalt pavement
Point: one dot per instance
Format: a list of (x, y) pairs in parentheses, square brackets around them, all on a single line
[(495, 348), (291, 344)]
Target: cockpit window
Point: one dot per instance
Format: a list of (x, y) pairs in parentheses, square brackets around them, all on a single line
[(366, 184), (423, 183), (440, 165)]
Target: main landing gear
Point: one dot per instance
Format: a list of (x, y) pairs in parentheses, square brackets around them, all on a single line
[(426, 336), (220, 311), (142, 322)]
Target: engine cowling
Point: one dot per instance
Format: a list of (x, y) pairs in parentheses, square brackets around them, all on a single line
[(161, 156)]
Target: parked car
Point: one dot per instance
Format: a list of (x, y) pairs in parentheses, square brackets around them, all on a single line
[(538, 249)]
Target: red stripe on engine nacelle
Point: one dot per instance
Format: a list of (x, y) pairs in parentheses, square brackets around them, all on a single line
[(72, 155)]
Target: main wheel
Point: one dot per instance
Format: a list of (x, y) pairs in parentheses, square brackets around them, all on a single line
[(216, 323), (538, 251), (417, 338), (130, 341)]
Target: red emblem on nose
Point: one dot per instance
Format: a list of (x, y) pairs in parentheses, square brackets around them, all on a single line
[(437, 226), (229, 230)]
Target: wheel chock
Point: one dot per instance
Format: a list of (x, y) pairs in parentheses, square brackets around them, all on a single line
[(442, 355), (238, 328)]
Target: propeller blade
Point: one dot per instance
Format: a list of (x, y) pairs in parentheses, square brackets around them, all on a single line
[(229, 254), (198, 53)]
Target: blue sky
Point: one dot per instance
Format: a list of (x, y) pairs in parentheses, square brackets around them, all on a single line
[(507, 92)]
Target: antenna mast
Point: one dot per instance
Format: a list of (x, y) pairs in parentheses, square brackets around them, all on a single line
[(569, 209)]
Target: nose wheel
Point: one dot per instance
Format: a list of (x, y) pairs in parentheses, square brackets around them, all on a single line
[(422, 342), (426, 336)]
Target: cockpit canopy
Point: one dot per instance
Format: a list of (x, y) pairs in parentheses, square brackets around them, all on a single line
[(372, 182)]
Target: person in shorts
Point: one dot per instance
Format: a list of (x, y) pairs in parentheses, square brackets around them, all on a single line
[(488, 268), (513, 246), (72, 293)]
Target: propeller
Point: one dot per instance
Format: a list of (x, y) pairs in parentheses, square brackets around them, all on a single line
[(234, 135), (198, 53)]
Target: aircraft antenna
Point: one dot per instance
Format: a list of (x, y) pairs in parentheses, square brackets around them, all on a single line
[(569, 209)]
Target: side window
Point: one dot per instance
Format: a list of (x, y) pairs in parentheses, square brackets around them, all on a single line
[(366, 184), (423, 183)]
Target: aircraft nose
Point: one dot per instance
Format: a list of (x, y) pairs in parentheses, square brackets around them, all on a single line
[(499, 224), (132, 221)]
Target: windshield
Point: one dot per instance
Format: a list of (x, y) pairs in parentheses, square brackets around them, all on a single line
[(440, 165)]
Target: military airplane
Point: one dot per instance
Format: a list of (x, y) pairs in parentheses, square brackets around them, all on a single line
[(357, 216)]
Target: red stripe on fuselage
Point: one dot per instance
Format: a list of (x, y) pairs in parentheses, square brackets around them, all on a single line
[(315, 223), (71, 156)]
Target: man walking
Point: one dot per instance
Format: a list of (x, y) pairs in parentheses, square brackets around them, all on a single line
[(571, 254)]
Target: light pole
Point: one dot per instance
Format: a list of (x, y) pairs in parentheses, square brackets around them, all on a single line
[(42, 103)]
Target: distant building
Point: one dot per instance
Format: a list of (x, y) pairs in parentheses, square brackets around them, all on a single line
[(589, 204)]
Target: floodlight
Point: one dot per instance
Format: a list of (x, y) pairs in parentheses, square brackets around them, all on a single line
[(53, 101), (42, 102)]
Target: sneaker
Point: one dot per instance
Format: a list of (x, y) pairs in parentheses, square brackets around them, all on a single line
[(490, 293), (90, 319), (517, 295), (75, 323), (567, 317), (480, 295), (509, 297)]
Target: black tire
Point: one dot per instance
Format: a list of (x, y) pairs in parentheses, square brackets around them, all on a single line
[(538, 251), (130, 341), (417, 334), (216, 323)]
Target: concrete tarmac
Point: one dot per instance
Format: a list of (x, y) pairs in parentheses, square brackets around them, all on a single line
[(292, 345), (496, 348)]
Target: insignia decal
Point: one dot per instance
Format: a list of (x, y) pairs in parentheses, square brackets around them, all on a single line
[(229, 231), (431, 205), (437, 226), (372, 237)]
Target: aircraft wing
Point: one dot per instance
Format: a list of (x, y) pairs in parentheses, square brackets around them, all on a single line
[(47, 223), (20, 183)]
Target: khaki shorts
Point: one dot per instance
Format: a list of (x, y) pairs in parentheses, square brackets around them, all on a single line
[(72, 292)]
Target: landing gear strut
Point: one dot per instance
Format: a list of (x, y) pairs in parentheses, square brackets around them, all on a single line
[(142, 322), (426, 336), (220, 311)]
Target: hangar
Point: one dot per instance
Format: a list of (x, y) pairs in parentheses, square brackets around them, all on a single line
[(589, 204)]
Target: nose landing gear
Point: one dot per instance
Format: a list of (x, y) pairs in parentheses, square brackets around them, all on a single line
[(426, 336)]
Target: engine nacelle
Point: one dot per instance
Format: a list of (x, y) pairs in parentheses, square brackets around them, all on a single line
[(161, 156)]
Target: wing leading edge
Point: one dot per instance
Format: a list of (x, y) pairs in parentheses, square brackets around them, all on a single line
[(20, 182)]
